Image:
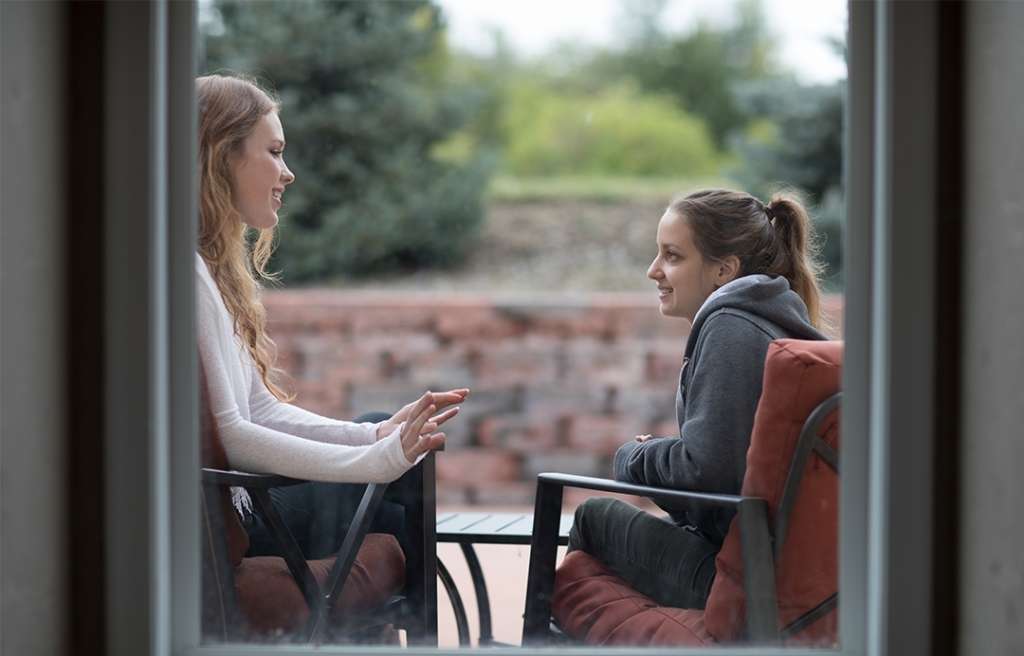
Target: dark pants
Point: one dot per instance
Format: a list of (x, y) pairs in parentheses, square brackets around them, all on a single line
[(674, 565), (319, 515)]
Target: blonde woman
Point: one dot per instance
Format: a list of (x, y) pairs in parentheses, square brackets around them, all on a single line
[(243, 181)]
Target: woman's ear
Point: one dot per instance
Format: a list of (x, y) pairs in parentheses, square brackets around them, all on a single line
[(727, 271)]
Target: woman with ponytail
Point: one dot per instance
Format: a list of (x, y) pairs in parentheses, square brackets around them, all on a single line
[(243, 178), (743, 273)]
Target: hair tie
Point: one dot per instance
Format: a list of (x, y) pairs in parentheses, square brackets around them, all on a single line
[(769, 213)]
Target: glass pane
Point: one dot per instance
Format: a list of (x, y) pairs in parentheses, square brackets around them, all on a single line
[(594, 221)]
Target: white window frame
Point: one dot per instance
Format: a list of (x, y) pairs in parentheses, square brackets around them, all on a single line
[(152, 528)]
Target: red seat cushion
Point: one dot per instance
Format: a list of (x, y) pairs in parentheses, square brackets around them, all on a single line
[(272, 602), (798, 376), (592, 604)]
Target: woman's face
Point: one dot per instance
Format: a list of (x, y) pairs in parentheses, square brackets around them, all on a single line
[(684, 277), (259, 174)]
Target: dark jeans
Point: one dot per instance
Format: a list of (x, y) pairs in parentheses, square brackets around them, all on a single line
[(674, 565), (319, 515)]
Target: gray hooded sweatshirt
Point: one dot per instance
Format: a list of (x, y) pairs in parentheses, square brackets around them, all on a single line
[(719, 387)]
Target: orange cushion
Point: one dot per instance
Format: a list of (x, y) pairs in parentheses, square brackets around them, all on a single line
[(798, 376), (214, 456), (592, 604), (272, 602)]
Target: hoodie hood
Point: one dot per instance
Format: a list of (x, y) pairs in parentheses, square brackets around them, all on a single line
[(768, 298)]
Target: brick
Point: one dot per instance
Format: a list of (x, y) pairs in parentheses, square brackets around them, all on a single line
[(520, 493), (511, 362), (478, 466), (567, 461), (452, 494), (369, 321), (516, 433), (480, 321), (599, 434)]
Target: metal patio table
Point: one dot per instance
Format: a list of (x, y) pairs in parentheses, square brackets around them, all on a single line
[(469, 528)]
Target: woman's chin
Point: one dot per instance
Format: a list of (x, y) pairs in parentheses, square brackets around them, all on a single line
[(264, 223), (668, 310)]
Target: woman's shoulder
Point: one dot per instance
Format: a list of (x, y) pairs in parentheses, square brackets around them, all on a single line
[(202, 270), (737, 323), (730, 340), (209, 303)]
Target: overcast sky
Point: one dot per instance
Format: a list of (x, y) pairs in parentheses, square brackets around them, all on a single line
[(532, 26)]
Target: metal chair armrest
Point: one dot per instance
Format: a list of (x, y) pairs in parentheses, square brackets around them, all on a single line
[(650, 492), (247, 479), (755, 533)]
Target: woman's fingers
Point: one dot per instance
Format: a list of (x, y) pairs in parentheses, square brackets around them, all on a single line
[(414, 427), (444, 416), (418, 435), (426, 443), (422, 444), (445, 399)]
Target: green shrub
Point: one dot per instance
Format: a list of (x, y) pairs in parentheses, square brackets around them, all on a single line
[(613, 132)]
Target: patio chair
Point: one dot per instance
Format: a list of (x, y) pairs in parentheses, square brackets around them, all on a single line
[(776, 580), (360, 595)]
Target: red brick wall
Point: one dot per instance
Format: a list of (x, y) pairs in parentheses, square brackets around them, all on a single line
[(558, 383)]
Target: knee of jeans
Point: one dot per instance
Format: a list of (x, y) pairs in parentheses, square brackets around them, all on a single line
[(372, 417), (586, 513), (595, 506)]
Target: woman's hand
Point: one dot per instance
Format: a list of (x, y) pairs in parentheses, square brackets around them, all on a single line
[(439, 400), (642, 438), (418, 435)]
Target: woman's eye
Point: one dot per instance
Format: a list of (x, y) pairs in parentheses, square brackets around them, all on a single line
[(671, 257), (277, 153)]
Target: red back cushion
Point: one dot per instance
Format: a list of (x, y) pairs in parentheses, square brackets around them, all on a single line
[(214, 457), (798, 376)]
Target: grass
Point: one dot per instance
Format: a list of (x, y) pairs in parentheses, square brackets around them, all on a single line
[(593, 188)]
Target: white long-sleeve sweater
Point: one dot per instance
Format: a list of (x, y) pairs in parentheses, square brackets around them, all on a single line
[(263, 434)]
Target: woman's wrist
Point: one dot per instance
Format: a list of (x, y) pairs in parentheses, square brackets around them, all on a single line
[(387, 428)]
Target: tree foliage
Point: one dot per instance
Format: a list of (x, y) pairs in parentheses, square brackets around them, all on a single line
[(700, 69), (365, 103), (614, 132), (799, 145)]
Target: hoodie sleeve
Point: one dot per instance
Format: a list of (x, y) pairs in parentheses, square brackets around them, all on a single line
[(721, 399)]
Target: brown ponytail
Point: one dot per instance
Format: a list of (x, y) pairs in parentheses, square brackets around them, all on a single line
[(797, 261), (775, 239)]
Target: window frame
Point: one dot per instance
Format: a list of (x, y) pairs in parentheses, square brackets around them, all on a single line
[(152, 535)]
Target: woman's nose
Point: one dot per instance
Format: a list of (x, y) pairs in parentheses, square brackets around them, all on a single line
[(287, 176), (653, 272)]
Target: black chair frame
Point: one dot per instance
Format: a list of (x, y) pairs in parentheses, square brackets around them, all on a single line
[(415, 609), (761, 543)]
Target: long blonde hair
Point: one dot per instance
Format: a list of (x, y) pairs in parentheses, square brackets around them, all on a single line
[(229, 109)]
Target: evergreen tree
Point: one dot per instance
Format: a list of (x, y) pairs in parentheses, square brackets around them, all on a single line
[(365, 104), (798, 143)]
